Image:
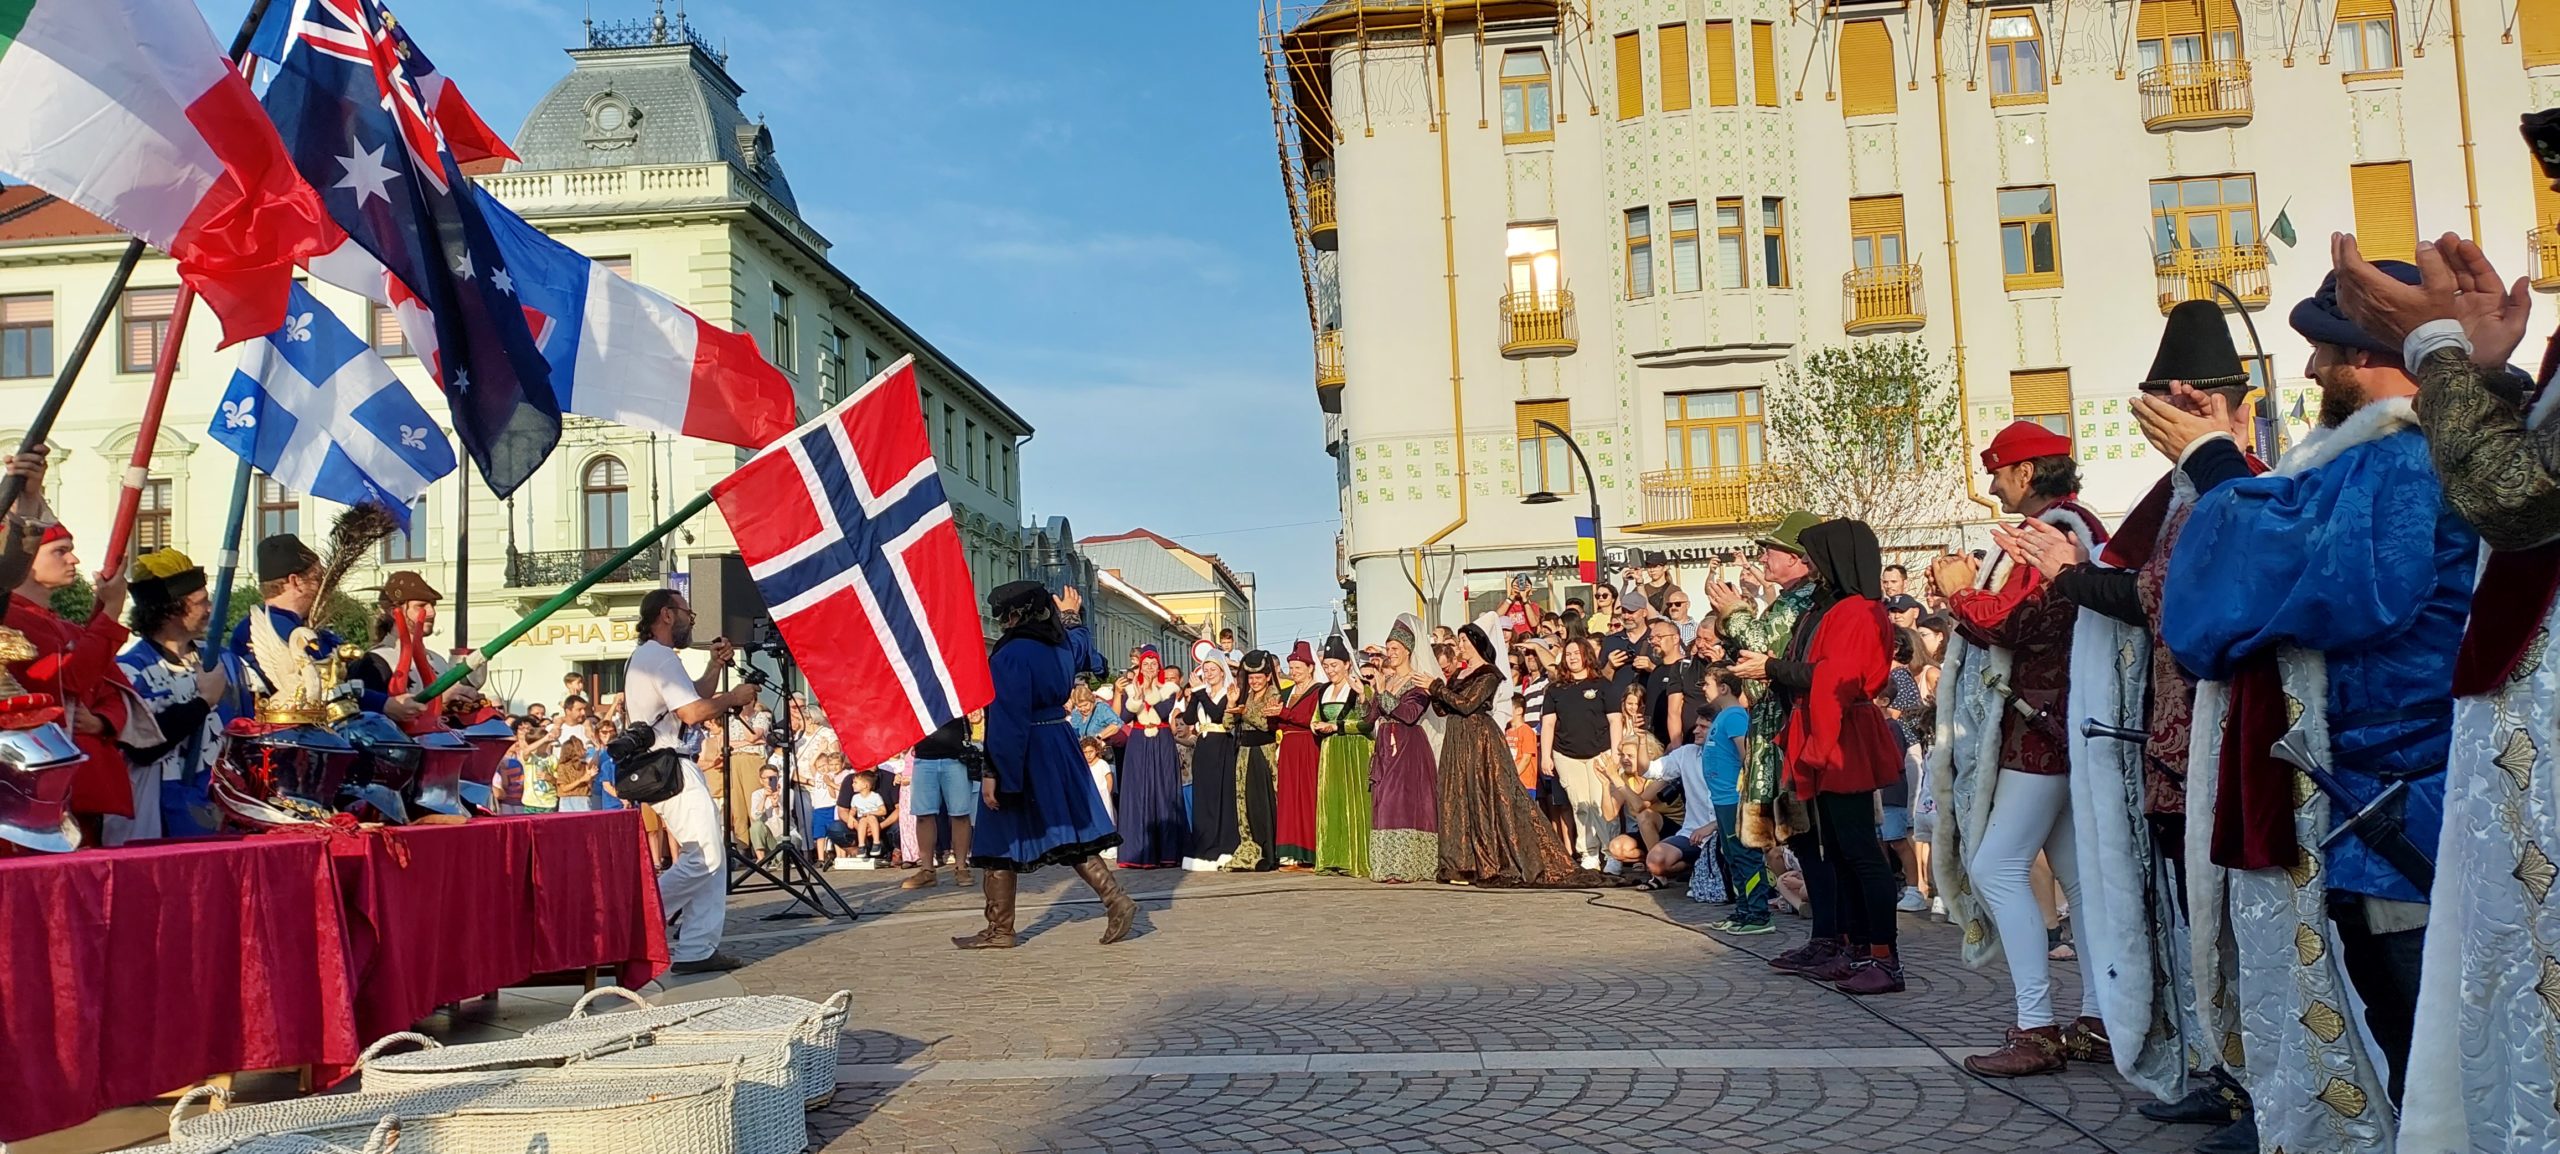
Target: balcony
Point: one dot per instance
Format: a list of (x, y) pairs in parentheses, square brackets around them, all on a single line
[(1537, 322), (562, 566), (2544, 244), (2187, 274), (1882, 299), (1320, 230), (1329, 376), (1676, 499), (2201, 94)]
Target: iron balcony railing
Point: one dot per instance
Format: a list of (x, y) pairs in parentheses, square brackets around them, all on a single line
[(1883, 298), (2197, 94), (1537, 322), (562, 566), (1718, 497), (2544, 243)]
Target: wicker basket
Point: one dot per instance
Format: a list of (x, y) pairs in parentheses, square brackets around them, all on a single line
[(548, 1111), (434, 1063), (767, 1112), (813, 1029)]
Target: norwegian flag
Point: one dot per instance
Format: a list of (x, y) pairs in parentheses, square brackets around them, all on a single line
[(845, 529)]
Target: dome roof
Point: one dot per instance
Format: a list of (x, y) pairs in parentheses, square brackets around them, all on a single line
[(648, 93)]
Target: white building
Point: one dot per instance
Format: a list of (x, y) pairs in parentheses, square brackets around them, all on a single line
[(1622, 216)]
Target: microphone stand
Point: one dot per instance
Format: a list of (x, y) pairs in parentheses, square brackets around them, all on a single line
[(789, 870)]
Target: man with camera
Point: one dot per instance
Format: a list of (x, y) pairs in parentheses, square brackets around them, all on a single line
[(660, 694)]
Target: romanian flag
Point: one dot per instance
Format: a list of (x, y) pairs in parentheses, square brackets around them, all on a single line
[(1586, 548), (129, 109)]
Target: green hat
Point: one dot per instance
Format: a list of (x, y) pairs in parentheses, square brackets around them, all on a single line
[(1789, 528)]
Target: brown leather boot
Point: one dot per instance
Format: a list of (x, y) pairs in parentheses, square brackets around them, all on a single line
[(2029, 1052), (1120, 911), (2085, 1040), (999, 932)]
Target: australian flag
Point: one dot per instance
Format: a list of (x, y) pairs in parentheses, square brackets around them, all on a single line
[(363, 134)]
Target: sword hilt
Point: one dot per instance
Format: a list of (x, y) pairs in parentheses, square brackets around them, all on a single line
[(2091, 727)]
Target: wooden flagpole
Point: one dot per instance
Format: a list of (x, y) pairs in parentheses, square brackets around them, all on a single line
[(138, 469), (41, 428)]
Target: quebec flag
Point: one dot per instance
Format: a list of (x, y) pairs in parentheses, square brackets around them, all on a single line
[(316, 408)]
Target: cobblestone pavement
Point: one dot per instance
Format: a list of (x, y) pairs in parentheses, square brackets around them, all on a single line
[(1287, 1012)]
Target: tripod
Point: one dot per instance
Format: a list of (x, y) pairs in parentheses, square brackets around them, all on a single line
[(789, 869)]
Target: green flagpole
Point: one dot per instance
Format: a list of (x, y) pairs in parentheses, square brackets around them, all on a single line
[(479, 658)]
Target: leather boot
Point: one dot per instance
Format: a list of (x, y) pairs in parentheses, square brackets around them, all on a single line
[(999, 932), (2085, 1040), (1119, 910), (2029, 1052), (2213, 1099)]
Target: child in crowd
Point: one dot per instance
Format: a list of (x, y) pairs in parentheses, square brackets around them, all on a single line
[(573, 777), (868, 808), (1097, 761), (764, 816), (604, 795)]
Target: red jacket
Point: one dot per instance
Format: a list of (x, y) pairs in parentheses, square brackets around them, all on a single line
[(1838, 741), (77, 665)]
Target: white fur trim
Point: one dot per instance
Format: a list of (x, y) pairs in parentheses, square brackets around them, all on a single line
[(2114, 923), (2373, 422)]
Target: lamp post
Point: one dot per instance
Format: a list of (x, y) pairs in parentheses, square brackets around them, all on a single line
[(1599, 562)]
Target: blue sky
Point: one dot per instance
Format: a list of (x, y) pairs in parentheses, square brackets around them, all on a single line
[(1078, 202)]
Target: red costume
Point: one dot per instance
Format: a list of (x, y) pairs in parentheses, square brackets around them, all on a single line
[(76, 665), (1298, 764), (1838, 741)]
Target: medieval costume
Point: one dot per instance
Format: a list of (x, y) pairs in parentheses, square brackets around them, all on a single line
[(170, 778), (1251, 717), (1490, 831), (1214, 819), (2326, 600), (1046, 809), (1154, 830), (2002, 769), (1342, 781), (75, 665), (1404, 811), (1295, 837), (1765, 630)]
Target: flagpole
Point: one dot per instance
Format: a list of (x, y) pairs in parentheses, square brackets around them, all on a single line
[(138, 470), (41, 428), (561, 600), (462, 557), (229, 561)]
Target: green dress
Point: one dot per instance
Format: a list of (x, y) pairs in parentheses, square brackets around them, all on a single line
[(1342, 788)]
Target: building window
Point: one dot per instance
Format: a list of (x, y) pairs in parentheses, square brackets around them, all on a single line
[(153, 520), (1546, 465), (950, 425), (1630, 75), (969, 443), (1719, 430), (2187, 32), (408, 546), (987, 452), (831, 382), (604, 678), (1531, 251), (2042, 396), (1720, 79), (2538, 26), (1866, 69), (1764, 64), (605, 491), (2367, 37), (2017, 58), (2030, 239), (617, 265), (1773, 241), (1875, 232), (26, 335), (2386, 211), (1527, 114), (871, 363), (1673, 42), (2208, 212), (1640, 253), (1006, 489), (146, 327), (382, 328), (1684, 247), (785, 353), (1733, 270), (279, 510)]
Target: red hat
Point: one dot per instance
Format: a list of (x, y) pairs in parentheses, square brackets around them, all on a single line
[(2023, 441), (1303, 652), (52, 533)]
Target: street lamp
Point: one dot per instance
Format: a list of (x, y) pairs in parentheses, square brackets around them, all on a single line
[(1589, 485)]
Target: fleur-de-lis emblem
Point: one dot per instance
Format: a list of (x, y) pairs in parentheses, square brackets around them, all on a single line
[(297, 327), (413, 437), (240, 414)]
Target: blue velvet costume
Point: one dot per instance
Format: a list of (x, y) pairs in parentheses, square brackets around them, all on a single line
[(2361, 559), (1047, 809)]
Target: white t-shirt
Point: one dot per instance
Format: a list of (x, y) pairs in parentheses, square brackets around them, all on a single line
[(654, 686), (1685, 762)]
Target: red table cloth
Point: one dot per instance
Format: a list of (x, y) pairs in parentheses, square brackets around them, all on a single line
[(126, 974)]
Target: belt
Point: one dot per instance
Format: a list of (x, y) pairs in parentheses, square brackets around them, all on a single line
[(1212, 728), (1052, 721)]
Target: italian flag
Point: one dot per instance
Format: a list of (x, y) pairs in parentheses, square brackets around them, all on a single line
[(129, 109)]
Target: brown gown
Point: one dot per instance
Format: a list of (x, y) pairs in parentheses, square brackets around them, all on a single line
[(1491, 833)]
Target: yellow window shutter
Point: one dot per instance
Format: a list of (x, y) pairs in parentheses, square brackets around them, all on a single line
[(1869, 215), (1630, 75), (2541, 27), (1720, 79), (2386, 211), (1866, 68), (1675, 66), (2364, 10), (1764, 63), (2040, 392), (1557, 413)]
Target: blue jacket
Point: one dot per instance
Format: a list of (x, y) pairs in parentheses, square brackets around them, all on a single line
[(2362, 559), (1026, 721)]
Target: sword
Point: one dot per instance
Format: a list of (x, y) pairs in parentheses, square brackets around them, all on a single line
[(2378, 825), (2040, 720), (2093, 729)]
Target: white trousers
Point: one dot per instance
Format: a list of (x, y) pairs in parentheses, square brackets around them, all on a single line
[(694, 889), (2029, 812), (1584, 787), (145, 822)]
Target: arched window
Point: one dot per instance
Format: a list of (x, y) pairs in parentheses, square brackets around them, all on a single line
[(606, 487)]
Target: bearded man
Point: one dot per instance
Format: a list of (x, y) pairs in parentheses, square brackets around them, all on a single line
[(1771, 815)]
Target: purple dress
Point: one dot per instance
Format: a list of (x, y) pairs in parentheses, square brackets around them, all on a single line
[(1404, 791)]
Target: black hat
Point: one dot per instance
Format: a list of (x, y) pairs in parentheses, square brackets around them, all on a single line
[(2319, 319), (1014, 595), (1906, 603), (2195, 347), (284, 555), (1336, 650)]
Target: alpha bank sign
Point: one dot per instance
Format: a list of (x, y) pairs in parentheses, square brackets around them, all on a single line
[(1618, 557)]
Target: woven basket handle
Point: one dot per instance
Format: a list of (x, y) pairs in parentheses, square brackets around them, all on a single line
[(375, 1050), (838, 1001), (580, 1010), (386, 1134), (190, 1098)]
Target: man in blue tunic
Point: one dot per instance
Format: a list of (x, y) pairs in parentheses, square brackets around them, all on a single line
[(2347, 557), (288, 586)]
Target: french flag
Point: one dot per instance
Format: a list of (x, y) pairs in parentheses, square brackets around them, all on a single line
[(626, 353)]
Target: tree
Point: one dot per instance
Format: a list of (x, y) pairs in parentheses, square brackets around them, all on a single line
[(343, 615), (1871, 432), (73, 602)]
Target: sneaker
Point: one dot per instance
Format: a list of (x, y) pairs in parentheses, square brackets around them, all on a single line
[(1836, 968), (1938, 908), (1730, 926), (717, 963), (1912, 902), (1591, 861), (1871, 976), (1817, 952)]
